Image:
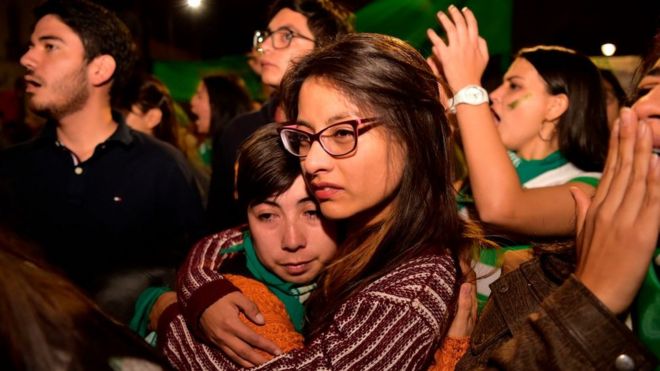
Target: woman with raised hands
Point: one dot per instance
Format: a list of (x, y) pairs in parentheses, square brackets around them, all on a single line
[(568, 306), (544, 131)]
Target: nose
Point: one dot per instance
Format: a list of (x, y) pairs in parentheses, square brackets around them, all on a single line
[(294, 237), (496, 94), (647, 107), (28, 59), (266, 45), (317, 160)]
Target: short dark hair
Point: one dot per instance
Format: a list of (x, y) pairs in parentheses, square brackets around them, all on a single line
[(265, 168), (100, 31), (326, 19), (582, 130)]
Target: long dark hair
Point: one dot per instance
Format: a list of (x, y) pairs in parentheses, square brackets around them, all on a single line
[(148, 93), (582, 130), (389, 78), (47, 323), (228, 98)]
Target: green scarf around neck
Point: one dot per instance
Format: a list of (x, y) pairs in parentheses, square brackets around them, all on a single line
[(288, 293)]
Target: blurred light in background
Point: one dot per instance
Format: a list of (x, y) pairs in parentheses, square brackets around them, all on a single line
[(194, 3), (608, 49)]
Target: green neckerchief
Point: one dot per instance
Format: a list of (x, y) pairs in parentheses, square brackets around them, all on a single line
[(287, 292), (530, 169), (646, 309)]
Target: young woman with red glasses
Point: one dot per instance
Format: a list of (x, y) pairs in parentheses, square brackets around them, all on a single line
[(373, 142)]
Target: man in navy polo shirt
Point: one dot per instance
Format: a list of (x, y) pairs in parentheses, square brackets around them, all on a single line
[(113, 209)]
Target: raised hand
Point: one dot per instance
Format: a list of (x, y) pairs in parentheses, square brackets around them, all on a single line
[(464, 56), (618, 229)]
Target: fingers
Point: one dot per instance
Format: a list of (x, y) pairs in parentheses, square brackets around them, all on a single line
[(582, 202), (472, 26), (483, 48), (235, 357), (245, 343), (439, 45), (625, 158), (434, 68), (463, 322), (250, 310), (450, 28), (610, 164), (459, 23), (635, 194)]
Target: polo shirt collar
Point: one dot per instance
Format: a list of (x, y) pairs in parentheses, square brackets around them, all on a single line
[(121, 135)]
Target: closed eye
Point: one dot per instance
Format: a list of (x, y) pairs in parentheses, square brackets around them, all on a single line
[(266, 217)]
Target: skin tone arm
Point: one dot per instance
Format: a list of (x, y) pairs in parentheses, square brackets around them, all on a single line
[(499, 197)]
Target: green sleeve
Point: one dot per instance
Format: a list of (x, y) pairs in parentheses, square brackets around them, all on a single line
[(140, 321)]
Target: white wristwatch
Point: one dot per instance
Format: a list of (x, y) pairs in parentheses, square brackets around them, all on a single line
[(471, 94)]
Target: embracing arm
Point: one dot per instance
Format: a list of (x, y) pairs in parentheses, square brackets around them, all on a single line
[(210, 304), (498, 194), (199, 283), (394, 324)]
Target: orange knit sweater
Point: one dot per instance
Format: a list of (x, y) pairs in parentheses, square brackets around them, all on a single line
[(278, 328)]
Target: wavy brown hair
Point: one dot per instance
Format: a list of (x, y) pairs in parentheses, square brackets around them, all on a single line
[(390, 79)]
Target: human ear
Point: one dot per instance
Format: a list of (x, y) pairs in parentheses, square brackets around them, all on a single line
[(557, 105), (101, 69), (152, 117)]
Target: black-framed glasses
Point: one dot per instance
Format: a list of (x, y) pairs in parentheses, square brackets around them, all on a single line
[(337, 139), (280, 38)]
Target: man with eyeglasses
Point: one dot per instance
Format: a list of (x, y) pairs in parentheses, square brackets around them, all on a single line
[(295, 28)]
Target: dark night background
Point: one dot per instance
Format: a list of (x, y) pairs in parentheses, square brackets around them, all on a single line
[(168, 29)]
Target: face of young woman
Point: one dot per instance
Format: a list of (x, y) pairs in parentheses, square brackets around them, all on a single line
[(361, 184), (201, 107), (520, 107), (647, 105), (290, 238)]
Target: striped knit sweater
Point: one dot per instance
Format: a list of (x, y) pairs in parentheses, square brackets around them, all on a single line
[(395, 323)]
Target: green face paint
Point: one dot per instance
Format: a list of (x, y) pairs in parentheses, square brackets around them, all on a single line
[(516, 102)]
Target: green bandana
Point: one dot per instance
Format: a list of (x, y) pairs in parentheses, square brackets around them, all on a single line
[(287, 292), (530, 169)]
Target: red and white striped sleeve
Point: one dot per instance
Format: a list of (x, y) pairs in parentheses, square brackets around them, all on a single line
[(395, 323), (199, 282)]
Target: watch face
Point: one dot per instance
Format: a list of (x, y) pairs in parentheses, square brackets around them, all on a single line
[(471, 94), (474, 95)]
